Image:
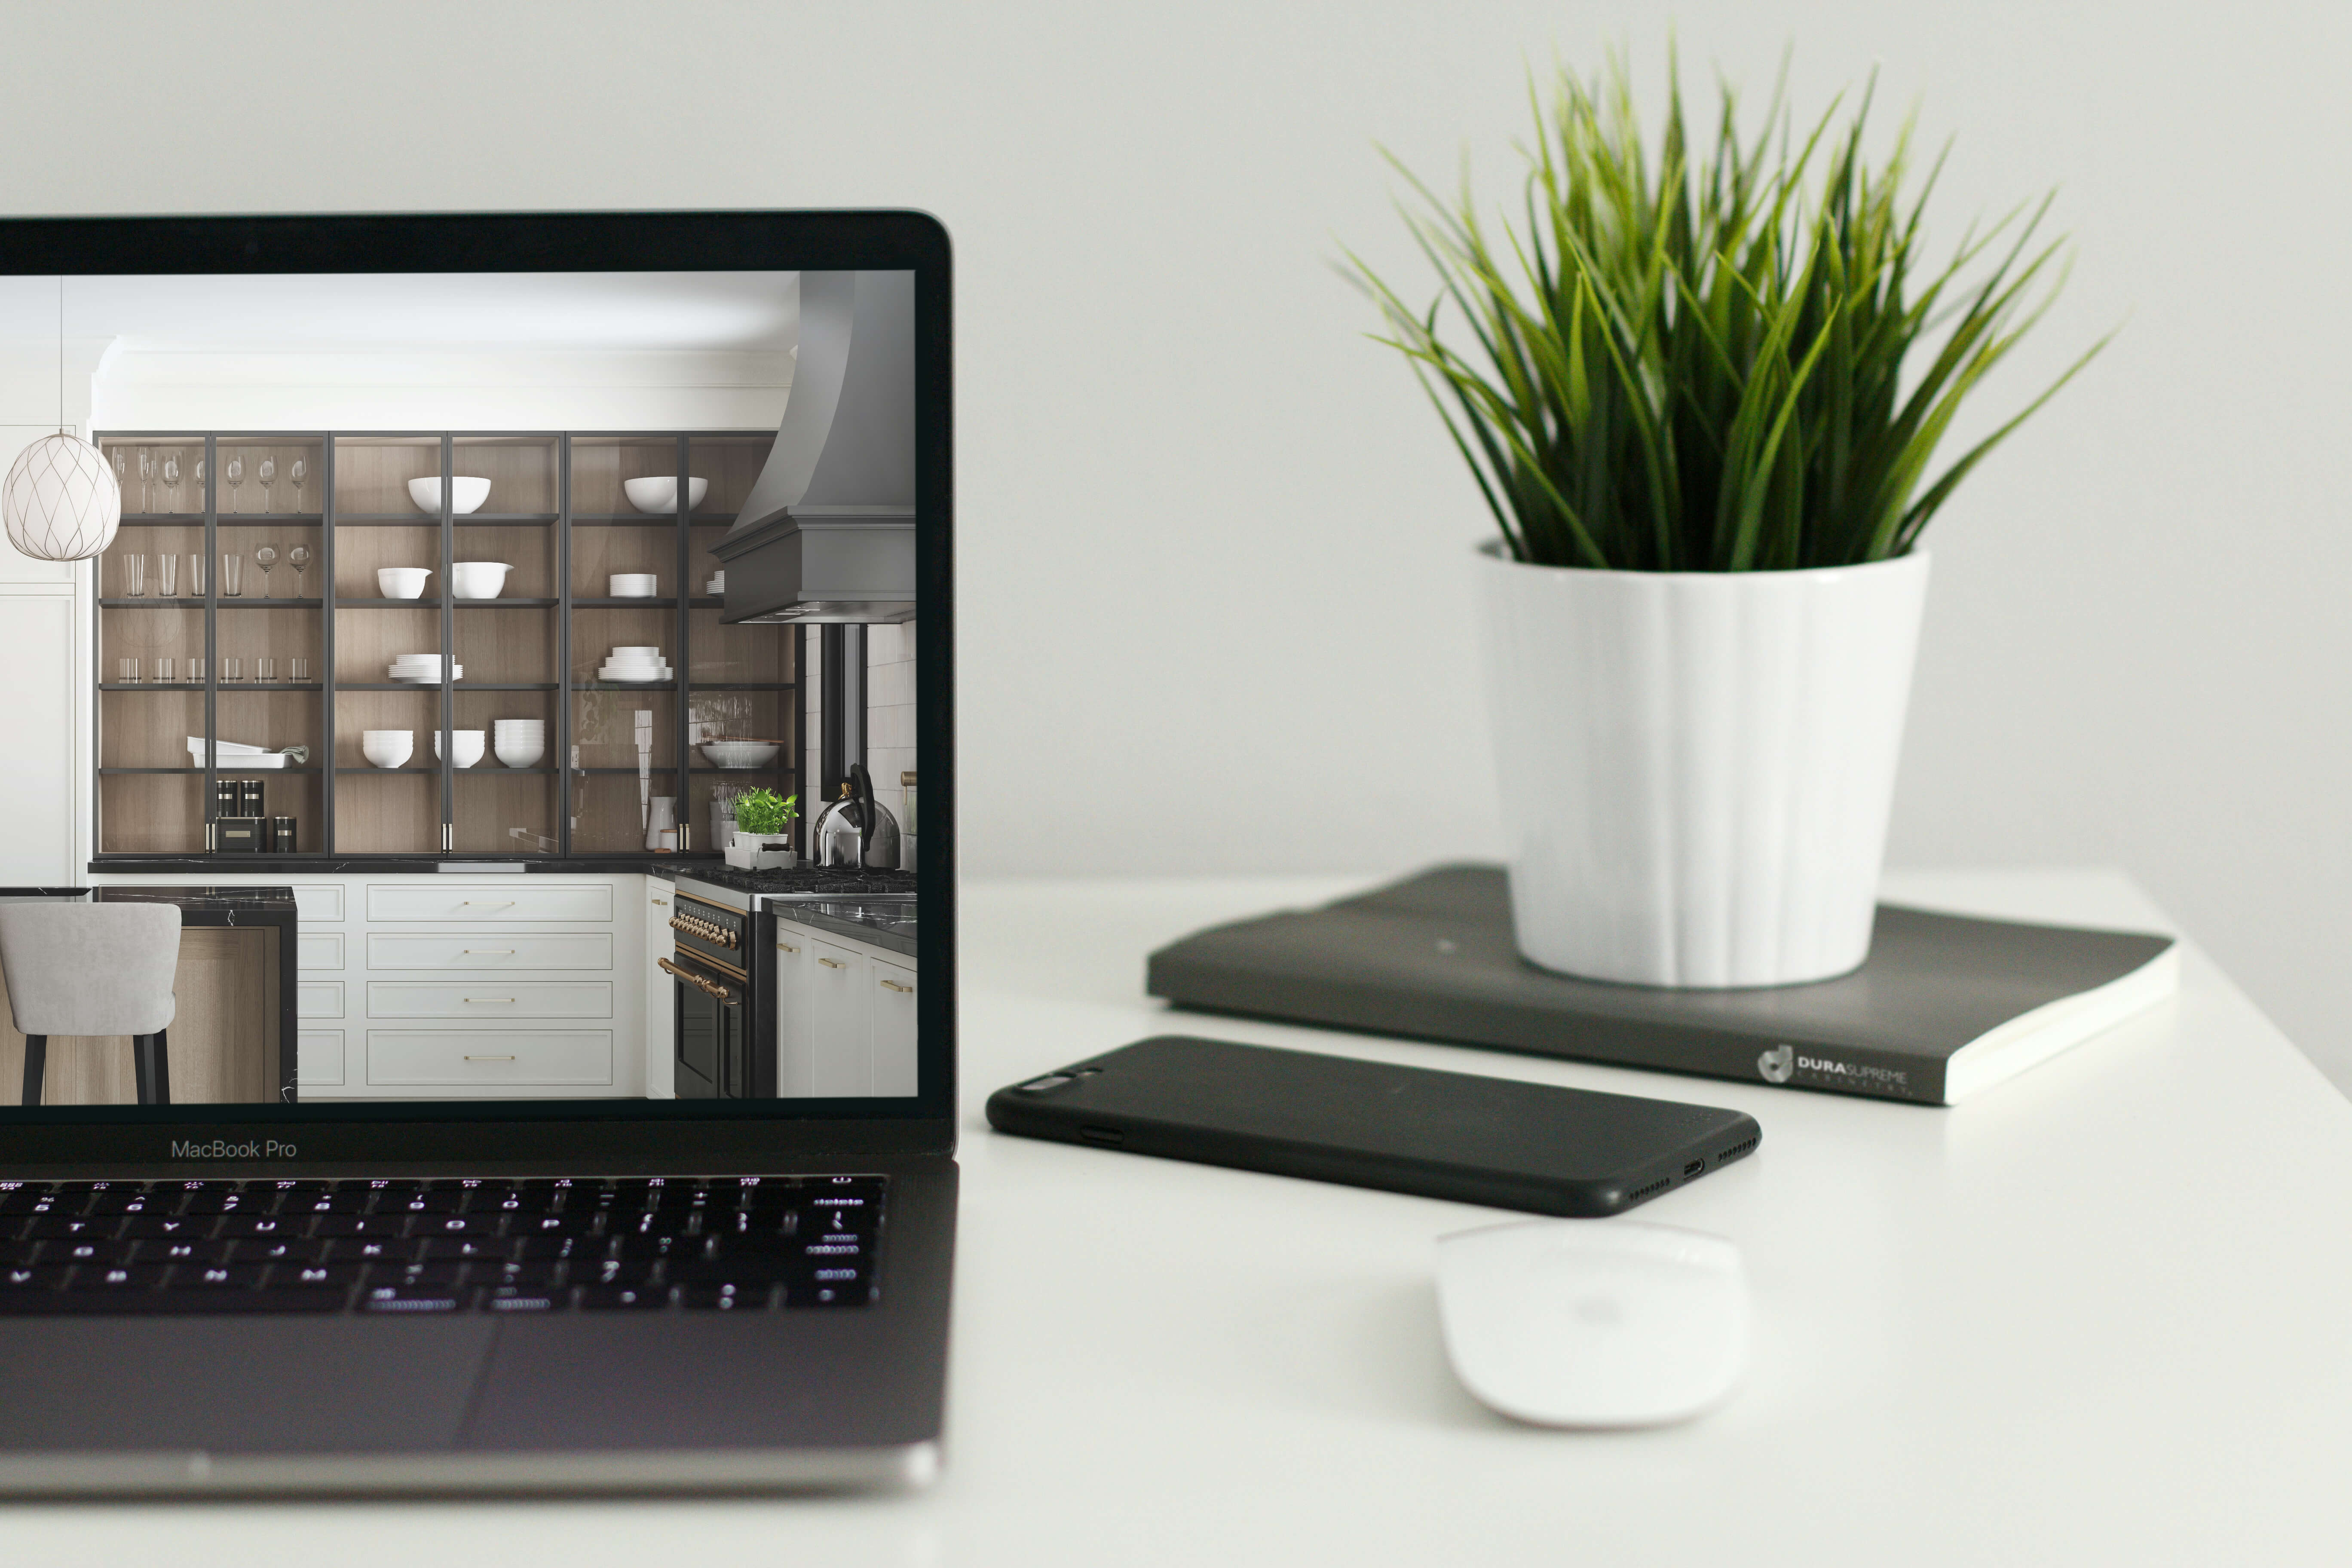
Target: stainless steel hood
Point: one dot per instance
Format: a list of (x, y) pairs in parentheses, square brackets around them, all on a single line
[(828, 530)]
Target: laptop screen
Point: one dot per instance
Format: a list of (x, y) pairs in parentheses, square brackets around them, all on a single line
[(517, 645)]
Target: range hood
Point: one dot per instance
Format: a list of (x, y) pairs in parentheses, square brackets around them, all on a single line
[(828, 530)]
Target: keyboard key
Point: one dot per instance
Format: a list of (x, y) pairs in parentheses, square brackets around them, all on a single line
[(448, 1246), (263, 1224), (184, 1251), (405, 1298), (623, 1299), (62, 1228), (522, 1299), (368, 1249), (169, 1227), (174, 1300), (724, 1298), (123, 1277), (36, 1276), (218, 1275), (828, 1295), (378, 1226), (445, 1225), (319, 1276)]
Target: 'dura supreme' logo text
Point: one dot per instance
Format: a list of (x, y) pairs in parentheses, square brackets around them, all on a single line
[(1778, 1064)]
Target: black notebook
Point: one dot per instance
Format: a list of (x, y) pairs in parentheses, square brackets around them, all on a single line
[(1944, 1006)]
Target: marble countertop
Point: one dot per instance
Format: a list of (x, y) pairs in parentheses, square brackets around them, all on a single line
[(199, 906)]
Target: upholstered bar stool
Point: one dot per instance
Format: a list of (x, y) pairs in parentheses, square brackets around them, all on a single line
[(92, 969)]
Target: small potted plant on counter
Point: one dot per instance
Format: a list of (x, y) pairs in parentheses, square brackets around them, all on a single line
[(1683, 390), (763, 842)]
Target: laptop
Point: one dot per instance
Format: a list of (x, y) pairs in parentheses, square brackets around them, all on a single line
[(682, 1225)]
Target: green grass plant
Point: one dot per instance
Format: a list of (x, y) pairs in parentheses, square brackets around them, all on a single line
[(1696, 363)]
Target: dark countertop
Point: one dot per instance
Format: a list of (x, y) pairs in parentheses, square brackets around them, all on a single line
[(455, 864), (848, 881), (847, 918), (198, 906)]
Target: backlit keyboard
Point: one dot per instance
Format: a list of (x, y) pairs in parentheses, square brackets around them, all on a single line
[(558, 1244)]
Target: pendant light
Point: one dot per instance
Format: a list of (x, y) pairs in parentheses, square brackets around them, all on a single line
[(61, 500)]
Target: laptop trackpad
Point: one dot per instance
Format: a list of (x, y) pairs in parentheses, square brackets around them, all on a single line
[(238, 1385)]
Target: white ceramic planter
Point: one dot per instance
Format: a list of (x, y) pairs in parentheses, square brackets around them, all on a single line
[(1696, 768)]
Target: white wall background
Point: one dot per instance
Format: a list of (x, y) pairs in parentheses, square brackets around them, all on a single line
[(1212, 542)]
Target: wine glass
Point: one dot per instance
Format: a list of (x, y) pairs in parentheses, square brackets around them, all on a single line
[(266, 559), (268, 474), (200, 484), (171, 476), (121, 459), (297, 473), (300, 556), (146, 477), (236, 472)]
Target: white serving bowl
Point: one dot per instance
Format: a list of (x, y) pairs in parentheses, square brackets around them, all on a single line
[(466, 743), (470, 493), (402, 582), (659, 494), (520, 754), (387, 747), (631, 585), (740, 754), (478, 579)]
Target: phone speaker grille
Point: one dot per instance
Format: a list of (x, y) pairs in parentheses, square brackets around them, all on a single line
[(1638, 1194), (1736, 1151)]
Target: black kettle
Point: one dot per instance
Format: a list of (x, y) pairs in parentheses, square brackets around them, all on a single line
[(856, 829)]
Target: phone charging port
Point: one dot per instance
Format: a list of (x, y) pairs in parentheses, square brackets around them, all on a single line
[(1693, 1168), (1111, 1136)]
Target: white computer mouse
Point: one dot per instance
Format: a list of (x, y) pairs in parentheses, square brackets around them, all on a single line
[(1587, 1322)]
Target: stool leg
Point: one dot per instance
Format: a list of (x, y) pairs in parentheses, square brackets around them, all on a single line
[(37, 1059), (139, 1069), (158, 1076)]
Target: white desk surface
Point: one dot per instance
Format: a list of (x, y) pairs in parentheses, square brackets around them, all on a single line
[(2103, 1313)]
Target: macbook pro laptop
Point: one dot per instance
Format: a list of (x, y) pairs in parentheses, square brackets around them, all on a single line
[(475, 575)]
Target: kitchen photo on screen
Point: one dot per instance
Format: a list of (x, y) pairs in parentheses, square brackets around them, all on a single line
[(510, 679)]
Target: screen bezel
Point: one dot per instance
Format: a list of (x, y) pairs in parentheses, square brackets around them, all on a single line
[(574, 1134)]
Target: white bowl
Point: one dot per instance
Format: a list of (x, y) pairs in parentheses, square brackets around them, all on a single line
[(741, 754), (402, 582), (478, 579), (387, 747), (659, 494), (631, 585), (520, 754), (466, 743), (470, 493)]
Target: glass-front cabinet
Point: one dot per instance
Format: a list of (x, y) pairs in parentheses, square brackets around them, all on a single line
[(432, 644)]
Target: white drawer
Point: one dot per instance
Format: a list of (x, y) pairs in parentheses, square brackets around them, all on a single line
[(319, 949), (490, 1056), (319, 999), (490, 999), (319, 1056), (489, 950), (318, 901), (569, 901)]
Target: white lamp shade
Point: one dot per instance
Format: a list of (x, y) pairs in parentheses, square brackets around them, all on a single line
[(61, 500)]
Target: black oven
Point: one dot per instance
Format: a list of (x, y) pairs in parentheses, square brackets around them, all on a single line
[(722, 1050)]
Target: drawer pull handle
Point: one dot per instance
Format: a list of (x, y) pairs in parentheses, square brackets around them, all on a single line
[(663, 903), (833, 964), (707, 988), (490, 998), (786, 947), (487, 904), (496, 951), (489, 1059), (894, 986)]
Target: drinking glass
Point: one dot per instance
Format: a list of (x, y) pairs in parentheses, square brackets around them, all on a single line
[(167, 576), (232, 669), (299, 557), (127, 671), (163, 671), (300, 670), (195, 575), (297, 473), (146, 477), (195, 672), (236, 472), (134, 577), (268, 474), (266, 559), (265, 669), (170, 473), (232, 577)]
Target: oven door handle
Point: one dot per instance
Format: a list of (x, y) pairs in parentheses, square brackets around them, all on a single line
[(708, 987)]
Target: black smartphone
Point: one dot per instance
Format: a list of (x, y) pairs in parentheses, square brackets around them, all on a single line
[(1473, 1140)]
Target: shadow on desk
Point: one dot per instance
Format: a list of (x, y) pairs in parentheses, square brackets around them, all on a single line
[(221, 1038)]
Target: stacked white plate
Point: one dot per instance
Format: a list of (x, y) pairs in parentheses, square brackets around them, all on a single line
[(635, 666), (519, 742), (422, 670)]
